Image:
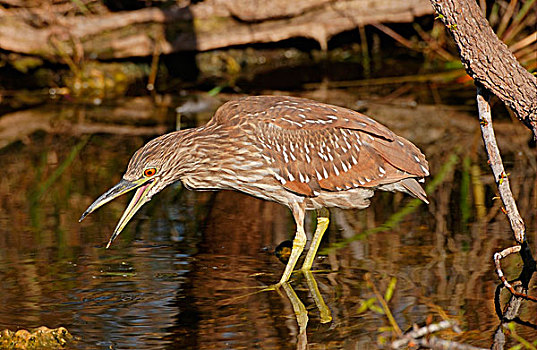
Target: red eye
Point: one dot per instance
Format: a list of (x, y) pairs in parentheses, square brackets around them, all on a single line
[(150, 172)]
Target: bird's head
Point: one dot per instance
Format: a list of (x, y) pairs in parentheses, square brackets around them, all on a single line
[(151, 168)]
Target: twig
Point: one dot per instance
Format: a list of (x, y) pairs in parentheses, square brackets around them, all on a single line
[(381, 300), (436, 343), (415, 337), (419, 78), (502, 182), (432, 43), (154, 62), (420, 332), (495, 161), (497, 257), (510, 208), (394, 35)]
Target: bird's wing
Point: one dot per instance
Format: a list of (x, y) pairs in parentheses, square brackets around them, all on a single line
[(313, 146), (297, 113)]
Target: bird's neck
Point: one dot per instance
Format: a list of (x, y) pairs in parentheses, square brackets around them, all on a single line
[(205, 150)]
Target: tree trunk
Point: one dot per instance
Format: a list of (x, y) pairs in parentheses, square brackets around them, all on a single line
[(488, 60)]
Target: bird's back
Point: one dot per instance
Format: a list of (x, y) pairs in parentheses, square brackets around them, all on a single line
[(316, 150)]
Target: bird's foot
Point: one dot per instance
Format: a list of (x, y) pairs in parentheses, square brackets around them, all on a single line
[(305, 269), (273, 287)]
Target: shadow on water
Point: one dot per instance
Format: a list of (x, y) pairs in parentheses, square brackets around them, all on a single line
[(189, 269)]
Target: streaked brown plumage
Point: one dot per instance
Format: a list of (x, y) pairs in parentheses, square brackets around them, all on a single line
[(301, 153)]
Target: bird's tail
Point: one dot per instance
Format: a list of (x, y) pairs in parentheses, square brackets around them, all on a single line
[(414, 189)]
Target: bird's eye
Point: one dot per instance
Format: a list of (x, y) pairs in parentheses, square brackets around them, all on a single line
[(150, 172)]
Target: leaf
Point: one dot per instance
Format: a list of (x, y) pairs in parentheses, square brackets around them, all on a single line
[(390, 290), (366, 305)]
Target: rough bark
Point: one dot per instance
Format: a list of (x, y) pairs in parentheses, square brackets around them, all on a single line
[(488, 60), (206, 25)]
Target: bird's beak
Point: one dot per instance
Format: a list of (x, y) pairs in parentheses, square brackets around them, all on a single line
[(143, 186)]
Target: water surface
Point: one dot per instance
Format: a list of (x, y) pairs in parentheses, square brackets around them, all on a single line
[(189, 269)]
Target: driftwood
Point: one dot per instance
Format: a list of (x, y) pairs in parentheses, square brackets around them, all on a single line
[(488, 60), (202, 26), (133, 117)]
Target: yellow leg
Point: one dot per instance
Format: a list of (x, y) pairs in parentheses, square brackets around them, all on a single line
[(300, 310), (298, 243), (322, 225), (326, 315)]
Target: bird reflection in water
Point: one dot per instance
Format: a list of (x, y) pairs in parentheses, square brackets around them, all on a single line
[(283, 252), (300, 310)]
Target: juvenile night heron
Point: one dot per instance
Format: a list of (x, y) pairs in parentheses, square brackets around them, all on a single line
[(297, 152)]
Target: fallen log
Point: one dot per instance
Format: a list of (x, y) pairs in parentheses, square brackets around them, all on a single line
[(202, 26)]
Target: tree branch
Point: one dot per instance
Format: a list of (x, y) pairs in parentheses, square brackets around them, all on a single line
[(496, 164), (488, 60)]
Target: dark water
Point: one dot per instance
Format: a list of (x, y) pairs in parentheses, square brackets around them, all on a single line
[(188, 271)]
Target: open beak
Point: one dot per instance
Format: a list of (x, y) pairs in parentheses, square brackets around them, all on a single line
[(143, 186)]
